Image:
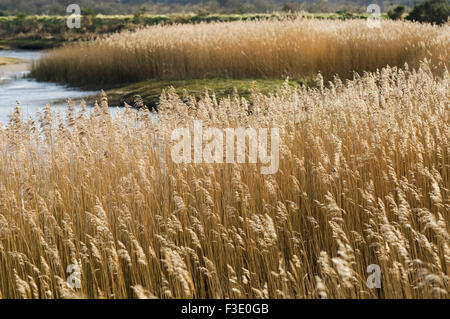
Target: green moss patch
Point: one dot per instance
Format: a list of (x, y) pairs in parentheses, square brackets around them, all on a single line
[(150, 91)]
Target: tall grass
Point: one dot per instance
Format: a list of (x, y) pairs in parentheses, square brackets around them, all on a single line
[(246, 49), (363, 179)]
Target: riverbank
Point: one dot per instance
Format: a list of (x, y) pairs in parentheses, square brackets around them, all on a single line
[(149, 92), (17, 87), (4, 61), (13, 65), (16, 68), (30, 44)]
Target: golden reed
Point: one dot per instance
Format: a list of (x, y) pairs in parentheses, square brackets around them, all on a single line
[(295, 48), (363, 180)]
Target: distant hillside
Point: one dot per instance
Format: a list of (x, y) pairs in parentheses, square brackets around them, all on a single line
[(52, 7)]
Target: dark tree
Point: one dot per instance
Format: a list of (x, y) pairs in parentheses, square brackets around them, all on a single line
[(433, 11), (396, 13)]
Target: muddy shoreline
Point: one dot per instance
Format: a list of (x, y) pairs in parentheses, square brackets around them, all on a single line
[(17, 67)]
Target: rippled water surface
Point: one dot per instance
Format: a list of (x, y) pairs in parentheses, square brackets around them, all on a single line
[(32, 95)]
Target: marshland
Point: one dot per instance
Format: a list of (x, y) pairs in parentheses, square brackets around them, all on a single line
[(363, 176)]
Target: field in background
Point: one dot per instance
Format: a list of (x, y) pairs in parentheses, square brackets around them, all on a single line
[(42, 32), (295, 48), (363, 179)]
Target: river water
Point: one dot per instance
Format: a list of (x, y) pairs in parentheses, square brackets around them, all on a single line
[(32, 95)]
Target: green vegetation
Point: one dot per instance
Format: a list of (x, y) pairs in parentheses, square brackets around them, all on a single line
[(433, 11), (150, 91), (396, 13), (52, 7)]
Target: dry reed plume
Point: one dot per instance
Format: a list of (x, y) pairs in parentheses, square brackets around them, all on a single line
[(297, 48), (364, 179)]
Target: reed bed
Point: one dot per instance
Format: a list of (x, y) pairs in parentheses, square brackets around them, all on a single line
[(363, 179), (295, 48)]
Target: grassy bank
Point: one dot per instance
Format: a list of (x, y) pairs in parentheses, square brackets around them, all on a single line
[(149, 92), (265, 49)]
